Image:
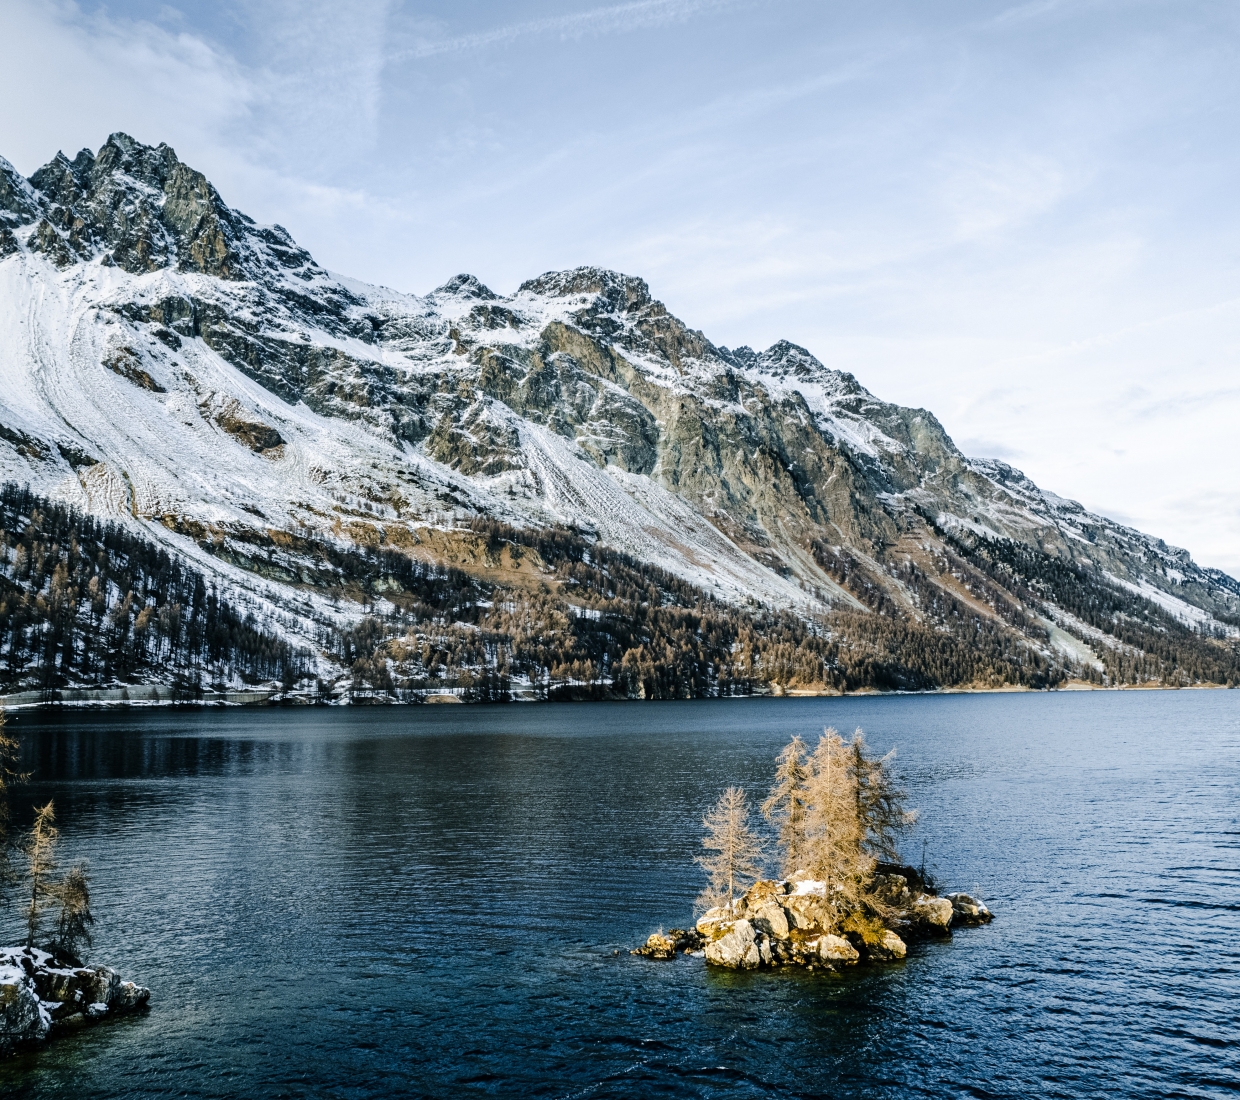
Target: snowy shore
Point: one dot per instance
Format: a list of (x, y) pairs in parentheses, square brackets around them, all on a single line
[(41, 997)]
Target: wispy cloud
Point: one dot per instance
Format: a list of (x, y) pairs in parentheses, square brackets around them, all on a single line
[(612, 19)]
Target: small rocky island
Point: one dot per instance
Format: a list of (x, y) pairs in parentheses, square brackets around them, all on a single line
[(839, 813), (46, 991), (789, 923), (41, 995)]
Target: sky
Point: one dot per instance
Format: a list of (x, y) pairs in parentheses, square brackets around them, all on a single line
[(1024, 217)]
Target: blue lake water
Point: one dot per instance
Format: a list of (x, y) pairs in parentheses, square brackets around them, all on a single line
[(439, 901)]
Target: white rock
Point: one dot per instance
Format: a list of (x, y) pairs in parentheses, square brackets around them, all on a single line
[(936, 912), (836, 950), (890, 946), (772, 920), (733, 948)]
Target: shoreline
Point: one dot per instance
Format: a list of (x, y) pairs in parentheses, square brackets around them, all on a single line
[(160, 696)]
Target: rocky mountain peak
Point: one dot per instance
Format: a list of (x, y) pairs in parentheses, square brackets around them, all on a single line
[(464, 286), (137, 205), (623, 293), (788, 361), (19, 204)]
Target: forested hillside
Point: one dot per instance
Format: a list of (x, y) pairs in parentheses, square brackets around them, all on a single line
[(90, 604), (85, 603)]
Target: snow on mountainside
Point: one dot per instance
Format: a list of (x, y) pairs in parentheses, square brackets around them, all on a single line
[(168, 362)]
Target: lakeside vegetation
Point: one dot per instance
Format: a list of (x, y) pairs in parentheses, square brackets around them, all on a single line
[(55, 907)]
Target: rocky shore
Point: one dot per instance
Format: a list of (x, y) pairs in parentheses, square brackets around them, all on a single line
[(41, 997), (789, 923)]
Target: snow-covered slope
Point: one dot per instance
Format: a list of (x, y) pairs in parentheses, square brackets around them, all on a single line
[(166, 361)]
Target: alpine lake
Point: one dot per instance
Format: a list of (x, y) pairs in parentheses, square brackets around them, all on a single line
[(439, 901)]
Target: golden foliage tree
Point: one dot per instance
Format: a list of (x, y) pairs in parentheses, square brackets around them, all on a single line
[(840, 810), (735, 858), (880, 800), (834, 833), (786, 804), (41, 867)]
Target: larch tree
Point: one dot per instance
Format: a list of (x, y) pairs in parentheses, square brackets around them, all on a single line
[(41, 867), (74, 918), (880, 800), (735, 851), (834, 833), (786, 804), (9, 777)]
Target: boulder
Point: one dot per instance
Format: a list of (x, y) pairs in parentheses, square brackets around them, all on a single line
[(764, 949), (968, 910), (893, 890), (23, 1018), (806, 911), (714, 922), (771, 919), (736, 948), (888, 948), (932, 915), (130, 996), (763, 893), (837, 951), (657, 946)]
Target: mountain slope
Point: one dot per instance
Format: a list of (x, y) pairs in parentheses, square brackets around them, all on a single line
[(168, 363)]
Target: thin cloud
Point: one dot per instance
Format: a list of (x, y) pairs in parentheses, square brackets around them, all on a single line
[(636, 15)]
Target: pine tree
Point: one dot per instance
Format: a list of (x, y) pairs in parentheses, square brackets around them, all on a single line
[(786, 804), (737, 857), (41, 866), (74, 918)]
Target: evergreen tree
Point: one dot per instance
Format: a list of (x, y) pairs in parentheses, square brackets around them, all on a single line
[(736, 857)]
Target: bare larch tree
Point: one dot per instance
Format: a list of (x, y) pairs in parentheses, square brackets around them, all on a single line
[(786, 804), (735, 858), (72, 934), (41, 867)]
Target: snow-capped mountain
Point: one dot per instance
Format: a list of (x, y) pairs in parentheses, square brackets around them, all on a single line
[(168, 362)]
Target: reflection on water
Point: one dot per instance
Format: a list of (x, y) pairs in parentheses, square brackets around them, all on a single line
[(439, 901)]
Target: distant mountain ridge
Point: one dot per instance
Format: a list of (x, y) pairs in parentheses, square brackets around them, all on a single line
[(171, 365)]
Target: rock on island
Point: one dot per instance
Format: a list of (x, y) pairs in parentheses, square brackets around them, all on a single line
[(40, 997), (790, 923)]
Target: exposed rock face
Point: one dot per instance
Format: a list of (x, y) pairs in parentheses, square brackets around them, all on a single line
[(38, 996), (789, 923), (933, 914)]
